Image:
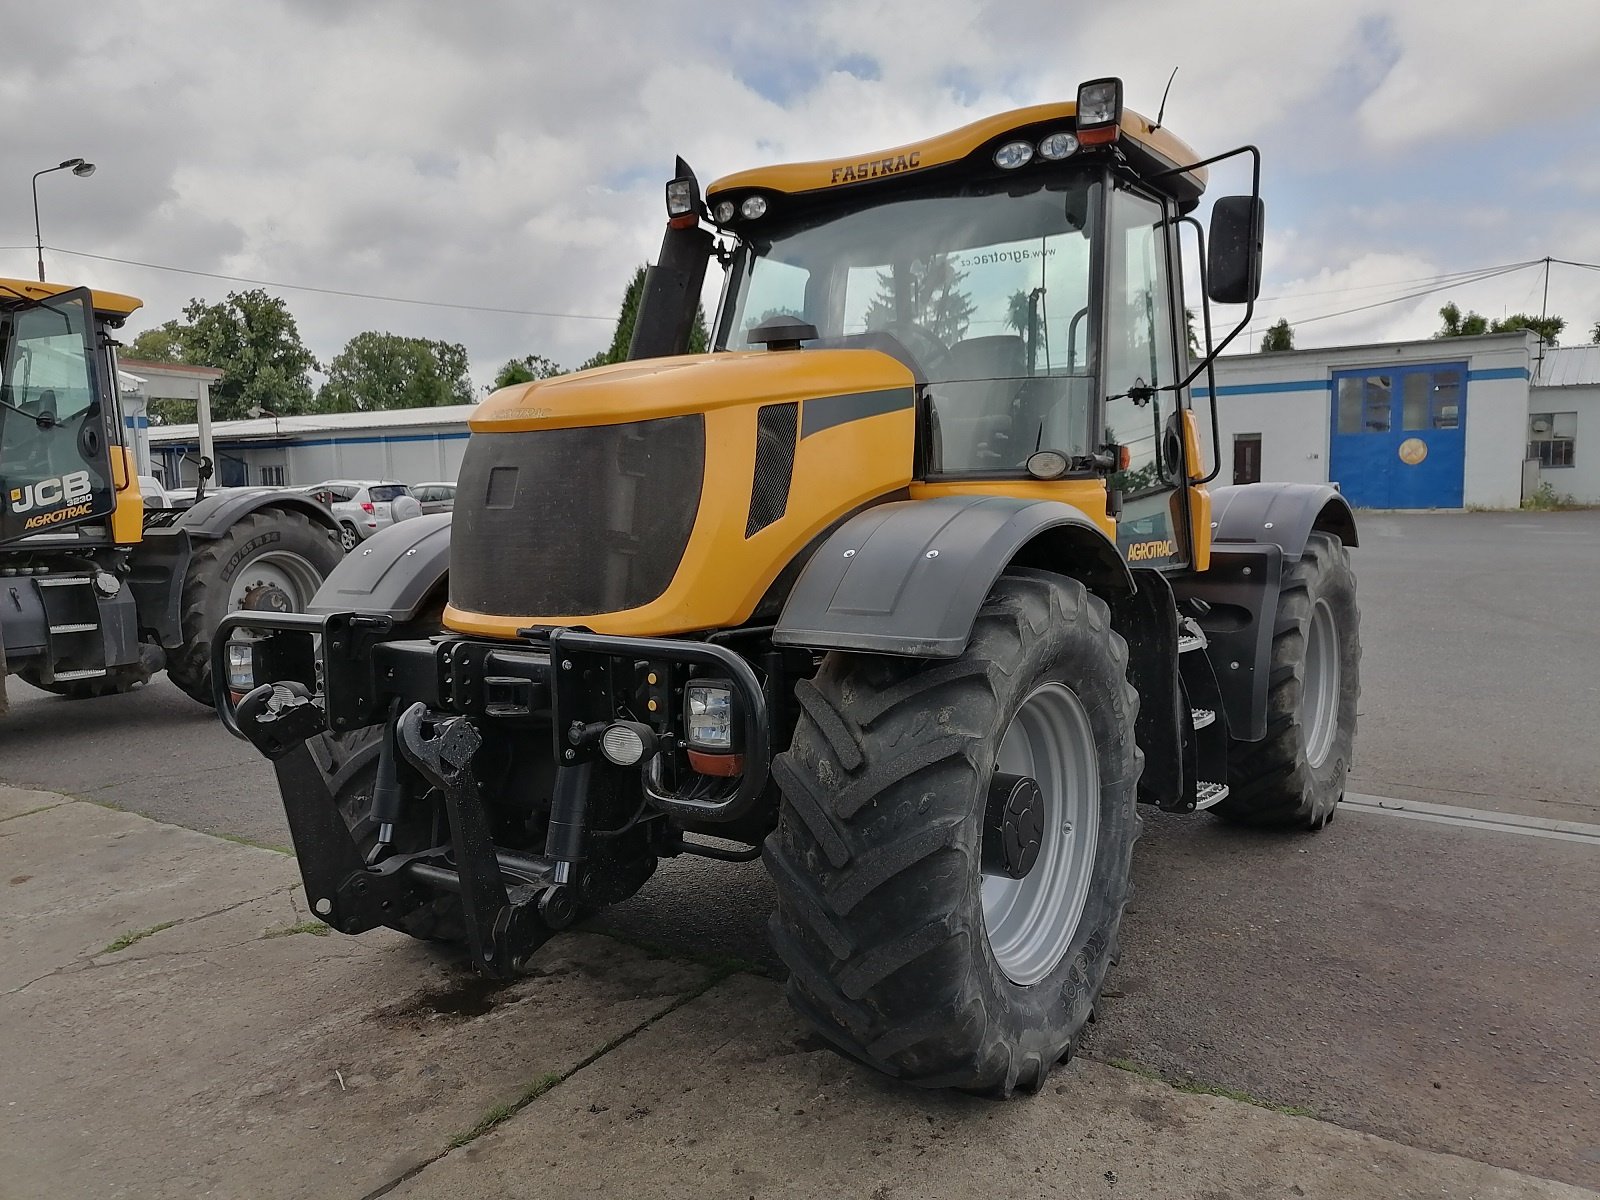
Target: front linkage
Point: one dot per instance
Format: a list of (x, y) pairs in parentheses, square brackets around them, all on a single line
[(343, 672)]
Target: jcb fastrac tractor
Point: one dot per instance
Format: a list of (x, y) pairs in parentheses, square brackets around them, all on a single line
[(97, 591), (912, 587)]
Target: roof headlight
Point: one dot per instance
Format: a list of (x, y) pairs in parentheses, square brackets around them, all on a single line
[(1099, 111), (1013, 155), (723, 212), (753, 207), (1058, 146)]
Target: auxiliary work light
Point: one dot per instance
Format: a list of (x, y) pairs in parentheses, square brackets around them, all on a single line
[(1099, 111)]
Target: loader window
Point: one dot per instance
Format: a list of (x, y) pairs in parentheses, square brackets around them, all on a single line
[(986, 286)]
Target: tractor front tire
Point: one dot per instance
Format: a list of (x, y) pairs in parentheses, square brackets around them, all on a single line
[(1294, 777), (289, 539), (906, 950)]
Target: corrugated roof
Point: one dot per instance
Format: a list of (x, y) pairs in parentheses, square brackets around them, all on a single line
[(324, 423), (1568, 366)]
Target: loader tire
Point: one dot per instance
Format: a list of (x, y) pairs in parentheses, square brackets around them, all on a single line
[(114, 682), (1294, 777), (349, 761), (291, 552), (895, 954)]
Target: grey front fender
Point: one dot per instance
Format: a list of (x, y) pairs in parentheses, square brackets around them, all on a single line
[(392, 573), (909, 577), (1280, 514)]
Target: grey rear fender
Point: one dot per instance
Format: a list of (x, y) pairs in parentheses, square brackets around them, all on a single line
[(393, 573), (218, 513), (1282, 514), (909, 577)]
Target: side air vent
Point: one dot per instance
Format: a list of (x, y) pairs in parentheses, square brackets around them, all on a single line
[(776, 426)]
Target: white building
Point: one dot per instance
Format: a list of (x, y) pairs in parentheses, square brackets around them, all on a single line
[(1442, 423)]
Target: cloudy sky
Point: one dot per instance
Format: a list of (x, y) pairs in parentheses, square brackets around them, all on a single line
[(511, 156)]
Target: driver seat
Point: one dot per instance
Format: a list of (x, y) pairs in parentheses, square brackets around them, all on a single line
[(973, 401)]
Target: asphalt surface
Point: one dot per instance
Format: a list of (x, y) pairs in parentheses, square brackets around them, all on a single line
[(1429, 983)]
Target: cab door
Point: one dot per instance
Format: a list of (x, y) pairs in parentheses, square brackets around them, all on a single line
[(55, 459)]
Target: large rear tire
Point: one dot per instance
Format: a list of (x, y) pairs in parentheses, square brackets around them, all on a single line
[(274, 560), (902, 951), (1294, 777)]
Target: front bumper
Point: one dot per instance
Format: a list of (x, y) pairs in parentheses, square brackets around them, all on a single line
[(437, 698)]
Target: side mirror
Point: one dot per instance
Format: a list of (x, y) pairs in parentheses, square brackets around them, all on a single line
[(1233, 253)]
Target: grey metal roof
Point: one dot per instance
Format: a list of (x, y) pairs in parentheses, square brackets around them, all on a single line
[(1568, 366)]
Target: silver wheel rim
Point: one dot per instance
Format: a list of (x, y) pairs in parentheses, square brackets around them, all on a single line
[(1031, 922), (289, 573), (347, 537), (1319, 691)]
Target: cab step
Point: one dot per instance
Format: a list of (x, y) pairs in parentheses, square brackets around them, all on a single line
[(1208, 793), (69, 676), (75, 627), (1201, 717), (1190, 635)]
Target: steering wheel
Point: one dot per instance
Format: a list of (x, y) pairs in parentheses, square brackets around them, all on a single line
[(924, 345)]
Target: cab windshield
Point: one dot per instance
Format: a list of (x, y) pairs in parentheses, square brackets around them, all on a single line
[(984, 286)]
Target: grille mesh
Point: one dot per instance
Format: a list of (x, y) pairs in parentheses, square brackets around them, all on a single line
[(776, 426)]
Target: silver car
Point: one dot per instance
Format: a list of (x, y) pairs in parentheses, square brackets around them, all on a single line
[(361, 505), (435, 497)]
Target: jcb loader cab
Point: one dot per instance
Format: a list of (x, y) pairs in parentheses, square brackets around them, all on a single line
[(98, 591), (912, 587)]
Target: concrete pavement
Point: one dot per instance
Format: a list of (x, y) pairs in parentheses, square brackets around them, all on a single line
[(170, 1026)]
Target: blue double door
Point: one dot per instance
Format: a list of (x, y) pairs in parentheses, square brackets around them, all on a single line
[(1399, 435)]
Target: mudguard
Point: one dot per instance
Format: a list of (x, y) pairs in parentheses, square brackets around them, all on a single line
[(1256, 529), (1281, 514), (909, 577), (392, 573), (216, 514)]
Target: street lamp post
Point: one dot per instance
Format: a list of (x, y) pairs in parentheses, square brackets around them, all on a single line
[(79, 168)]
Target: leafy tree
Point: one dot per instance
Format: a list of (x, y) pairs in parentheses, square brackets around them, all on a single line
[(377, 371), (163, 344), (622, 336), (1193, 337), (1471, 324), (1279, 336), (936, 301), (525, 370), (1594, 334)]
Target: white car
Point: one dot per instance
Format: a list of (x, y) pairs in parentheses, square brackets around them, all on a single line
[(361, 505), (435, 497)]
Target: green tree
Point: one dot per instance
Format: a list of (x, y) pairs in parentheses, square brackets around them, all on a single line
[(163, 344), (1459, 324), (377, 371), (1594, 334), (628, 314), (1194, 338), (1280, 336), (525, 370), (936, 301)]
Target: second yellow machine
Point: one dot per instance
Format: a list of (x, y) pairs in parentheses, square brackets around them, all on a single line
[(913, 588)]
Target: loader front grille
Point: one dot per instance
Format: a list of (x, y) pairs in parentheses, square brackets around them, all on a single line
[(574, 522)]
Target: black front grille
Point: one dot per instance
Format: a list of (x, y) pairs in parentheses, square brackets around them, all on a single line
[(570, 522)]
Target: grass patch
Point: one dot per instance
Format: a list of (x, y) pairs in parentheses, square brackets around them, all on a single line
[(504, 1112), (1547, 499), (135, 935), (314, 928), (1199, 1087), (252, 843)]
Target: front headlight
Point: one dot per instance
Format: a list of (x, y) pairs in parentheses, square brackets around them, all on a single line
[(708, 715)]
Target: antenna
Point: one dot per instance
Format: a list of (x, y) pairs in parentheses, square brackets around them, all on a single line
[(1162, 111)]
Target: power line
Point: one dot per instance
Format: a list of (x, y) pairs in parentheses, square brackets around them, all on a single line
[(1479, 277), (1367, 287), (324, 291)]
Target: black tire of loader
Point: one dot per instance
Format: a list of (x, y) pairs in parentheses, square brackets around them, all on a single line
[(211, 573), (876, 856), (1271, 783), (349, 762)]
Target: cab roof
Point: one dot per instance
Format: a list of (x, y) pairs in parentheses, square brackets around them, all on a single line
[(13, 291), (1151, 149)]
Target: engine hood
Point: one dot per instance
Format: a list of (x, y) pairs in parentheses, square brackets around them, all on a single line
[(692, 383)]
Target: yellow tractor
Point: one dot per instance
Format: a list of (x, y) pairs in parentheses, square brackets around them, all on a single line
[(98, 591), (912, 587)]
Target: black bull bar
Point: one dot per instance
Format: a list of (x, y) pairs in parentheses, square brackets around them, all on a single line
[(346, 671)]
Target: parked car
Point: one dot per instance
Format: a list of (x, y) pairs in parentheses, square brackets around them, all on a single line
[(435, 497), (362, 506)]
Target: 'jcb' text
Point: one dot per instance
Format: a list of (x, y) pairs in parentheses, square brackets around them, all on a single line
[(47, 493)]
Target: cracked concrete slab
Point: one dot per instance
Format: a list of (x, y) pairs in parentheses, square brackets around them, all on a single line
[(728, 1097), (209, 1058), (16, 802)]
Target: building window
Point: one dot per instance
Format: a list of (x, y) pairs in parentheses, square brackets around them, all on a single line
[(1551, 437), (1247, 458), (273, 476)]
